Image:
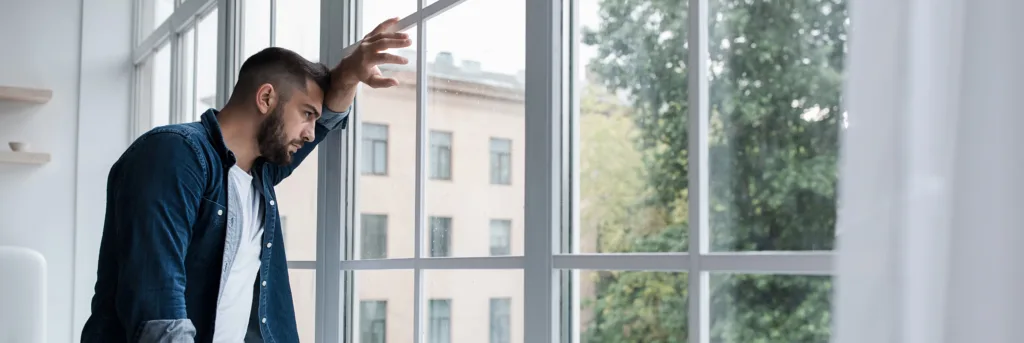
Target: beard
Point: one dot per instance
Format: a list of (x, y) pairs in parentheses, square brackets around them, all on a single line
[(271, 139)]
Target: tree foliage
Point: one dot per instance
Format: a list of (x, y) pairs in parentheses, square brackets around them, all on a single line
[(775, 84)]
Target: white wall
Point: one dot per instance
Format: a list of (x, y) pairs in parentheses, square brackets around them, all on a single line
[(57, 208)]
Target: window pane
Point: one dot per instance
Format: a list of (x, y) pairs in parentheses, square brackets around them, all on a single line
[(375, 143), (388, 129), (388, 290), (501, 320), (374, 236), (770, 308), (298, 27), (256, 26), (188, 64), (440, 155), (206, 64), (158, 72), (154, 13), (439, 322), (631, 306), (440, 236), (296, 198), (303, 283), (373, 321), (631, 80), (501, 236), (475, 84), (776, 83), (376, 11), (460, 311)]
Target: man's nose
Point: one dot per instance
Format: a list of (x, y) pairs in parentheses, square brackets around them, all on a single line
[(309, 133)]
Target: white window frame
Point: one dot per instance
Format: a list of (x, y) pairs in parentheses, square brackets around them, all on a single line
[(550, 261)]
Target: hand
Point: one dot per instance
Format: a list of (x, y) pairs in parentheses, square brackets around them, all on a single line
[(361, 65)]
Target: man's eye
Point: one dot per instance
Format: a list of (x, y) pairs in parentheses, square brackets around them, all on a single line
[(309, 114)]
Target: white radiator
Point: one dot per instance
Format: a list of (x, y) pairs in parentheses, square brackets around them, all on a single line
[(22, 296)]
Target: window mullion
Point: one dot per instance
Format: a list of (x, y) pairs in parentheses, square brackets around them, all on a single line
[(420, 214), (698, 292)]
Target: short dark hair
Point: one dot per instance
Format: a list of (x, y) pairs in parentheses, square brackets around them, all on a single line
[(282, 68)]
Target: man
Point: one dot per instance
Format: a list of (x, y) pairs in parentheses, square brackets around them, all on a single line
[(192, 247)]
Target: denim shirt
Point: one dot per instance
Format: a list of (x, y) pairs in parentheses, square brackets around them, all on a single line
[(171, 234)]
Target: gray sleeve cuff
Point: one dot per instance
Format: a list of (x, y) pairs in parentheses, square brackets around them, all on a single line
[(166, 331), (334, 120)]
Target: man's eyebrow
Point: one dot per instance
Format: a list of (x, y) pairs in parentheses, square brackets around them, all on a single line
[(313, 109)]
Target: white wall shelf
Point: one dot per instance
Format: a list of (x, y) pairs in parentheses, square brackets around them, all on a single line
[(24, 157), (24, 94)]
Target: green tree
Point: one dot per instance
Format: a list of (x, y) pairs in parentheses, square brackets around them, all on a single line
[(776, 68)]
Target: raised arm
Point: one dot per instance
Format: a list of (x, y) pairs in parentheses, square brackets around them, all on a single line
[(360, 66), (156, 192)]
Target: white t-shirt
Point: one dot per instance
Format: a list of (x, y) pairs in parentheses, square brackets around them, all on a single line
[(236, 299)]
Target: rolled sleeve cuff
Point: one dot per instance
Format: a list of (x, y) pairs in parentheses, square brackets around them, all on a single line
[(334, 120)]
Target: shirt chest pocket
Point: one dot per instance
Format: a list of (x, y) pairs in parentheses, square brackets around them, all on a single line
[(211, 215)]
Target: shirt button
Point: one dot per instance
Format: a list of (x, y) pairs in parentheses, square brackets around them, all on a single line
[(268, 245), (271, 203), (264, 284), (220, 212), (264, 319)]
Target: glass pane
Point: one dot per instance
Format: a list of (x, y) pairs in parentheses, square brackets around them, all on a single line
[(377, 11), (296, 197), (631, 79), (188, 64), (154, 13), (158, 72), (459, 311), (440, 236), (387, 152), (501, 236), (256, 26), (476, 94), (770, 308), (374, 236), (775, 99), (206, 64), (384, 312), (303, 283), (298, 27), (632, 306)]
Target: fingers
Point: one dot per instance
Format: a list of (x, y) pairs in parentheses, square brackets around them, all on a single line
[(378, 81), (388, 43), (388, 59), (382, 27)]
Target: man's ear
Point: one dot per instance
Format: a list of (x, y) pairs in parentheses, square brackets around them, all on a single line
[(266, 98)]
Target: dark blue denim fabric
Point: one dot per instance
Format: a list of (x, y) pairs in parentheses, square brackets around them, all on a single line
[(162, 254)]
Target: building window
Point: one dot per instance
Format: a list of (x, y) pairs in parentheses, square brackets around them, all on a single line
[(501, 161), (374, 236), (375, 149), (373, 321), (440, 155), (501, 237), (440, 321), (501, 320), (440, 236)]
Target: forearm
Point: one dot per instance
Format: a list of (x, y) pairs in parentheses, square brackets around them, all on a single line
[(343, 91)]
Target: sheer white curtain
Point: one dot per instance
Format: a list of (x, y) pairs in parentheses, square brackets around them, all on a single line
[(932, 190)]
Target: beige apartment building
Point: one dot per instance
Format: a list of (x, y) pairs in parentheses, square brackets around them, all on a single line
[(474, 199)]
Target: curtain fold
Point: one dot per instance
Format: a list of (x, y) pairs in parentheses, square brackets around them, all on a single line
[(932, 177)]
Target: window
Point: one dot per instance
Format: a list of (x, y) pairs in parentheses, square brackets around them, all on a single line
[(440, 155), (440, 236), (375, 236), (501, 237), (501, 161), (373, 321), (375, 149), (284, 228), (501, 320), (440, 321)]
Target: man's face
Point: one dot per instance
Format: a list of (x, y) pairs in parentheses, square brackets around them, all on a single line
[(290, 125)]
